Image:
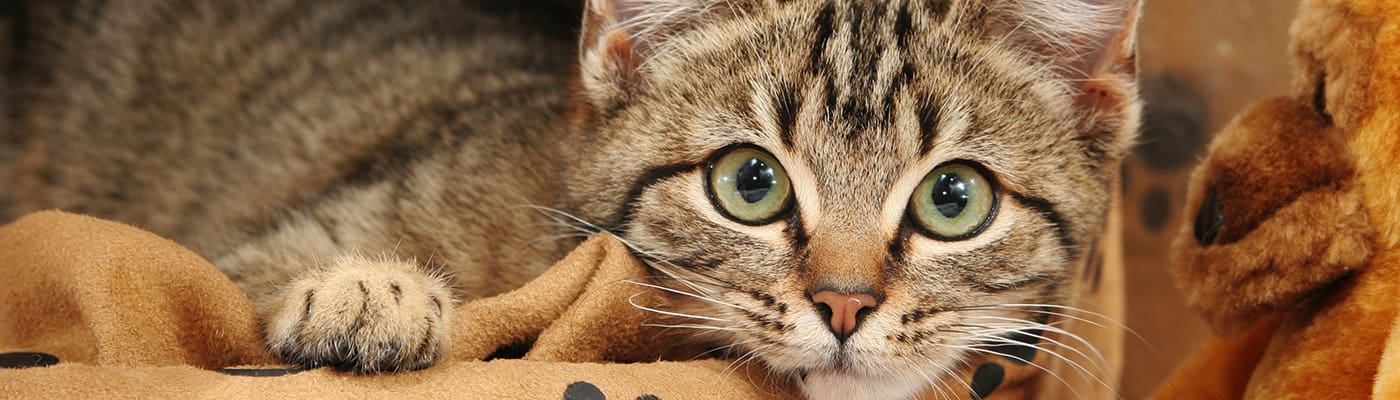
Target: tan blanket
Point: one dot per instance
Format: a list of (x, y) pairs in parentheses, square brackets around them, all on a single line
[(97, 309)]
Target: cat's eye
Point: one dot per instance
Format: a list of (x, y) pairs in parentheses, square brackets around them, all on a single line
[(955, 201), (748, 185)]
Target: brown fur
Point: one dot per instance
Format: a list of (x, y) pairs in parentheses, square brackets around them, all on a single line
[(274, 138), (1280, 175), (1323, 259)]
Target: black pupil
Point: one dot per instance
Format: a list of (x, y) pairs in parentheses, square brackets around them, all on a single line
[(755, 180), (950, 195)]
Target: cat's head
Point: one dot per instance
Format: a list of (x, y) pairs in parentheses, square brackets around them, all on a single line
[(859, 193)]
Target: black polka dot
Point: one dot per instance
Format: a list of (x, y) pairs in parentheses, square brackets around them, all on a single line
[(1156, 204), (260, 371), (583, 391), (986, 380), (1173, 123), (648, 397), (26, 360)]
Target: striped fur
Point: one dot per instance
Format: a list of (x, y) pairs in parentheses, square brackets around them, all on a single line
[(275, 138)]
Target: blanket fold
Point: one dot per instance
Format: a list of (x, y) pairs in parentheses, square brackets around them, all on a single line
[(128, 314), (97, 309)]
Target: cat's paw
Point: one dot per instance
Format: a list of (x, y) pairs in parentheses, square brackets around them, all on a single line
[(362, 315)]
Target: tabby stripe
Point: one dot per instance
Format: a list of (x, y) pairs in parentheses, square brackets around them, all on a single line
[(830, 95), (648, 178), (824, 29), (940, 9), (857, 111), (1047, 210), (902, 26), (855, 11), (786, 104), (896, 81), (695, 264), (928, 127), (865, 54), (797, 235), (900, 80), (899, 247)]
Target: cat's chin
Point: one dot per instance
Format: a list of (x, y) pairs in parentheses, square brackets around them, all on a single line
[(831, 385)]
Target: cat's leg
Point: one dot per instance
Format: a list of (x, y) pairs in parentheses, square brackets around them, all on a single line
[(336, 283), (331, 290), (361, 314)]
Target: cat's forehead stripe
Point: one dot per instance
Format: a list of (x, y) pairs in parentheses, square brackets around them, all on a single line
[(823, 28), (928, 127), (786, 105), (865, 73)]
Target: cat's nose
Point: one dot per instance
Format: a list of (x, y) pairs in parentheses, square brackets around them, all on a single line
[(845, 309)]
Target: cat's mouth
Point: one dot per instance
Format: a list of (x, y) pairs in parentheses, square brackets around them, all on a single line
[(864, 361), (846, 383)]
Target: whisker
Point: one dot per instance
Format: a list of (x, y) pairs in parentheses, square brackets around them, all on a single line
[(1021, 308), (750, 355), (936, 390), (1067, 308), (993, 333), (697, 326), (631, 300), (674, 275), (1101, 365), (1077, 395), (728, 346), (944, 371), (688, 294), (1079, 367), (1103, 362), (672, 278), (949, 371)]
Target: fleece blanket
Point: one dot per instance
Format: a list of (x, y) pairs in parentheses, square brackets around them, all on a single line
[(97, 309)]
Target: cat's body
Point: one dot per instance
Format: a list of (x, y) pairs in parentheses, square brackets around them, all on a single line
[(374, 139), (220, 124), (274, 136)]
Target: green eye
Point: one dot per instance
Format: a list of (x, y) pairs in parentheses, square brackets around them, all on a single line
[(749, 185), (954, 202)]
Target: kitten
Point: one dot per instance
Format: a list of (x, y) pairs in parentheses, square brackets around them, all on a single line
[(841, 188)]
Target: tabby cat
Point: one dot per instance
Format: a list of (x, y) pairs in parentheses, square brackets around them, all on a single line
[(845, 189)]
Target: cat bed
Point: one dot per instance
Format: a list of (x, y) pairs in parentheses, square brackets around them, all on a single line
[(98, 309)]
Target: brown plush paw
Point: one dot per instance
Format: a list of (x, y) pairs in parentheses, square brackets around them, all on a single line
[(362, 315)]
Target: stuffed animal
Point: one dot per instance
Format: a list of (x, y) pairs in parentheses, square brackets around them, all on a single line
[(1291, 254)]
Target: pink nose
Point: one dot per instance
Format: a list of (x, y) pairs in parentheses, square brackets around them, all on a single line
[(845, 309)]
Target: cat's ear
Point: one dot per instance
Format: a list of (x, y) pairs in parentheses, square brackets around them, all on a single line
[(618, 36), (1091, 44), (1080, 39)]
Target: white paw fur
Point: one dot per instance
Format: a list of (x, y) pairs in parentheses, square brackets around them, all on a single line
[(362, 315)]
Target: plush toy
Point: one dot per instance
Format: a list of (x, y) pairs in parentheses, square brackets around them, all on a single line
[(1291, 254)]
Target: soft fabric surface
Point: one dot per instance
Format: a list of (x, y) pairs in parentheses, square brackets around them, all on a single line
[(1303, 240), (127, 314)]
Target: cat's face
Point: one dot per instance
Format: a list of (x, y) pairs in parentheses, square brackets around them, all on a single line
[(859, 194)]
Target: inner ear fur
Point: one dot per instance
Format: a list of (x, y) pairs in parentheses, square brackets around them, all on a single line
[(1294, 220)]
